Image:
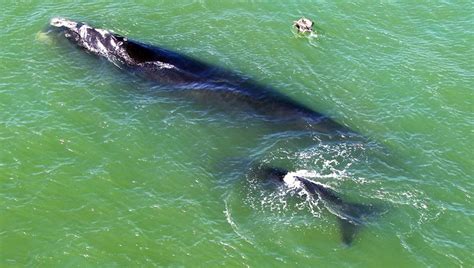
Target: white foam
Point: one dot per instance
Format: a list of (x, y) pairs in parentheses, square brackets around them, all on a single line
[(232, 224), (291, 181)]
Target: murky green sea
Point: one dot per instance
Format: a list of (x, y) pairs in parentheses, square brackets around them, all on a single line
[(99, 169)]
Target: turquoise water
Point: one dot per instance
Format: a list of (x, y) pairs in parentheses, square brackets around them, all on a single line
[(99, 169)]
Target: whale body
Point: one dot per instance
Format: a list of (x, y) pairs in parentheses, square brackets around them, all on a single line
[(206, 81)]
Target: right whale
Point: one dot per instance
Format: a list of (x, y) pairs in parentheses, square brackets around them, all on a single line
[(196, 78), (351, 216)]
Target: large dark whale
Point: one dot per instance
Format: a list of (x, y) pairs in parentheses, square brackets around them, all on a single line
[(204, 80)]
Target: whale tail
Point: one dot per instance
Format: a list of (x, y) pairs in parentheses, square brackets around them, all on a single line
[(353, 219), (351, 216)]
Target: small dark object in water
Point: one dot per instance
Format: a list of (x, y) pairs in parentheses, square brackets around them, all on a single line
[(304, 25)]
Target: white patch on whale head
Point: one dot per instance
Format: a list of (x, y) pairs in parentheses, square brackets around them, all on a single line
[(62, 22)]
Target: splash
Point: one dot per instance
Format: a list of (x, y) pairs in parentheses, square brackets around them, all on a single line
[(233, 225)]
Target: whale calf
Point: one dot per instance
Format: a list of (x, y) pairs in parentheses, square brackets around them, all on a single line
[(182, 72), (351, 216)]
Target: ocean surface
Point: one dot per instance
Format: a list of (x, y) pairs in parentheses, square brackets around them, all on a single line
[(98, 168)]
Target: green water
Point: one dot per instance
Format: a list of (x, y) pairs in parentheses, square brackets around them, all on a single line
[(97, 169)]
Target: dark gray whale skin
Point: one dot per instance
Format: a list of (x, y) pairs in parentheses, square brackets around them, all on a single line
[(205, 81)]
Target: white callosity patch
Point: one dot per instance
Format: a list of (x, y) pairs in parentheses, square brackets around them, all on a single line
[(62, 22), (98, 41), (103, 43)]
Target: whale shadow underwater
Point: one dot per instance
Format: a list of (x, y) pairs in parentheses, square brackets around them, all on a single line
[(204, 82)]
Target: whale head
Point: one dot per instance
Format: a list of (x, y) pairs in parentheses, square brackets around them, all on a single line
[(97, 41), (68, 28)]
